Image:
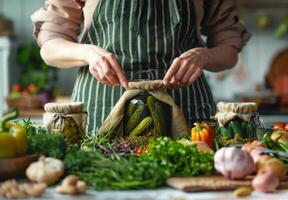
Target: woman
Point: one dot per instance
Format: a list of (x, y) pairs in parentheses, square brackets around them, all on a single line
[(132, 39)]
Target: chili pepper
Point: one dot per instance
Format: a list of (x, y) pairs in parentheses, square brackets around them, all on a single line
[(202, 132), (13, 138)]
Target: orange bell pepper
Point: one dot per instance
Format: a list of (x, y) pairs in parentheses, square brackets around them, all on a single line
[(203, 132)]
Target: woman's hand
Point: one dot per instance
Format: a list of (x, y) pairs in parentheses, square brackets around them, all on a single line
[(104, 67), (186, 68)]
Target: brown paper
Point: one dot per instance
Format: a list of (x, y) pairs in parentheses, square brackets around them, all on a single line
[(229, 111), (157, 89)]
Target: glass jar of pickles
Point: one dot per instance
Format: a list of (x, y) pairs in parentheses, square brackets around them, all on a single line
[(69, 119)]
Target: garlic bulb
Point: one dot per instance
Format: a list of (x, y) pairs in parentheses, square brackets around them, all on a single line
[(233, 163), (45, 170)]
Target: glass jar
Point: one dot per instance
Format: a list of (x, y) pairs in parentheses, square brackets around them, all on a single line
[(145, 115), (69, 119)]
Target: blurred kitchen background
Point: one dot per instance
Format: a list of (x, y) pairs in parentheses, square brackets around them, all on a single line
[(261, 74)]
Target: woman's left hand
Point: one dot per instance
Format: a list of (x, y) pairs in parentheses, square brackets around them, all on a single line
[(186, 68)]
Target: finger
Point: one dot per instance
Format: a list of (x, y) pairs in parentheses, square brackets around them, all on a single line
[(194, 76), (96, 75), (188, 74), (185, 65), (109, 74), (100, 72), (118, 70), (172, 70)]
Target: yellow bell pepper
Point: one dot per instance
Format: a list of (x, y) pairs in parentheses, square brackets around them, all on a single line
[(202, 132), (13, 138)]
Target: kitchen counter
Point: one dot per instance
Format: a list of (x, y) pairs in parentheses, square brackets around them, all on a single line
[(269, 120), (163, 193)]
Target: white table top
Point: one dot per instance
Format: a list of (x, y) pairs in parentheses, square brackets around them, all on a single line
[(163, 194)]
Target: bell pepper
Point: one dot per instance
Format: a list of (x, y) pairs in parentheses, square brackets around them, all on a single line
[(13, 138), (203, 132), (286, 127), (278, 126)]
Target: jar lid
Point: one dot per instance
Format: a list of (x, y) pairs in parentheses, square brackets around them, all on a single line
[(237, 107), (67, 108)]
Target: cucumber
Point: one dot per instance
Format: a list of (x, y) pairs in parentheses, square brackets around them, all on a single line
[(236, 127), (224, 132), (156, 110), (244, 129), (142, 127), (131, 108), (251, 130), (230, 131), (139, 114)]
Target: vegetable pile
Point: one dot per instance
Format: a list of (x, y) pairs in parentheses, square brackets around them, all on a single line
[(106, 163)]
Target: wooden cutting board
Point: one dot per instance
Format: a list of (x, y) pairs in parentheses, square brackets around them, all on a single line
[(213, 183)]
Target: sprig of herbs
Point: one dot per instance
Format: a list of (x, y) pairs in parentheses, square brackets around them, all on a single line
[(41, 141)]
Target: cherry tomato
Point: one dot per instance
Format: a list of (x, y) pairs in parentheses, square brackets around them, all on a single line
[(138, 151), (145, 149)]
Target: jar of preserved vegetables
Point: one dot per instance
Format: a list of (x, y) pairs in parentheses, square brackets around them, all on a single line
[(236, 122), (69, 119)]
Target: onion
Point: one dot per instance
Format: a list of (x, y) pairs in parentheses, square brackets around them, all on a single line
[(265, 181), (276, 166), (257, 143), (261, 161), (247, 147), (255, 154)]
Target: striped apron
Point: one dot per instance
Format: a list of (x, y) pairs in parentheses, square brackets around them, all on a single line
[(145, 37)]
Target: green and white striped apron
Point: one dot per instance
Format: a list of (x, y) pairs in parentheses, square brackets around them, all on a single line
[(145, 37)]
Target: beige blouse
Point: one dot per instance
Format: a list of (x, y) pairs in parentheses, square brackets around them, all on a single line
[(64, 19)]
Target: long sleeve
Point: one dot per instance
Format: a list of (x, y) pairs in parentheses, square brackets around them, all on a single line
[(221, 24), (58, 19)]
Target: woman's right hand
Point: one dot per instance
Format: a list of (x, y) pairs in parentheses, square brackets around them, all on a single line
[(104, 67)]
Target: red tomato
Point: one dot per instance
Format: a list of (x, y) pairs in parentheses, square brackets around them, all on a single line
[(17, 88), (278, 126), (32, 88)]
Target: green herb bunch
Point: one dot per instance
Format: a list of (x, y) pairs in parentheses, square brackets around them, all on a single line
[(165, 158)]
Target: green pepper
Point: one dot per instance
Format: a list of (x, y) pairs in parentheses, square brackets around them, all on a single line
[(13, 138)]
